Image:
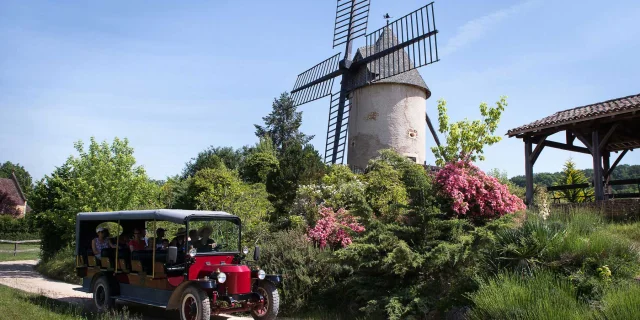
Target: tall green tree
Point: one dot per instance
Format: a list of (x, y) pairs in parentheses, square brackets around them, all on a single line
[(214, 157), (23, 176), (222, 189), (260, 161), (571, 175), (467, 138), (103, 177), (298, 165), (282, 125)]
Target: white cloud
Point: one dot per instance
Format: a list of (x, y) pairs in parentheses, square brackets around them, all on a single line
[(476, 28)]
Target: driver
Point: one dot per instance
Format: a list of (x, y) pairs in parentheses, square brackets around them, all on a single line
[(205, 244)]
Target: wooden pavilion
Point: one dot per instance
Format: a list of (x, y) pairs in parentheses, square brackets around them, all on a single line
[(602, 128)]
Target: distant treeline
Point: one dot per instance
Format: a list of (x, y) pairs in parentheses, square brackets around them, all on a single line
[(623, 171)]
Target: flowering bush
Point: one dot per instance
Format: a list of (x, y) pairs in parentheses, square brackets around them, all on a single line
[(334, 228), (475, 193)]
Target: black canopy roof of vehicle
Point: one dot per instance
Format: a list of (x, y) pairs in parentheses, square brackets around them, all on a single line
[(171, 215)]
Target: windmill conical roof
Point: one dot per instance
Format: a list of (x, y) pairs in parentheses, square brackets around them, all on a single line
[(394, 62)]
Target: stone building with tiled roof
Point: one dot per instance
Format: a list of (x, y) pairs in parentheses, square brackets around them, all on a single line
[(12, 200)]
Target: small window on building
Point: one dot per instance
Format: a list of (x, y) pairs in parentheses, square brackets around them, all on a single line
[(412, 159)]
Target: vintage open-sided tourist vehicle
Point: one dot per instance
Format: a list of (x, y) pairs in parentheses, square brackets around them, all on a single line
[(198, 277)]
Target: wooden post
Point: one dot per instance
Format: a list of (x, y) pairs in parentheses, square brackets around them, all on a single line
[(15, 248), (117, 246), (597, 165), (153, 258), (606, 164), (528, 170)]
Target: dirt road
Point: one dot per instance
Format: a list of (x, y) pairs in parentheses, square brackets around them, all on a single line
[(20, 275)]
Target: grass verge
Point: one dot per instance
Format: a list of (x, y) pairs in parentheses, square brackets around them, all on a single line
[(18, 305)]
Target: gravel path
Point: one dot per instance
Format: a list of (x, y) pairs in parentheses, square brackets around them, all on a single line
[(21, 275)]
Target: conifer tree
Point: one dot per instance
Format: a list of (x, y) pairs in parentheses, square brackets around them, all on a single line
[(571, 175), (282, 125)]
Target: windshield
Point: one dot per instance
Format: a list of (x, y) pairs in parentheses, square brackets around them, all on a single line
[(214, 236)]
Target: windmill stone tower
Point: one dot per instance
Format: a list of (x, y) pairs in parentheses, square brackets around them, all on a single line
[(381, 103), (389, 113)]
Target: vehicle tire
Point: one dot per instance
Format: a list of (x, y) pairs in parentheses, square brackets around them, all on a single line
[(195, 304), (269, 311), (102, 295)]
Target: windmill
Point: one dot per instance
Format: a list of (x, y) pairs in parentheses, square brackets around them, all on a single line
[(390, 55)]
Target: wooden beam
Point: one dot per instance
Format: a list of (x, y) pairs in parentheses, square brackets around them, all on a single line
[(583, 140), (433, 131), (570, 137), (606, 164), (605, 139), (615, 163), (597, 166), (528, 171), (536, 152), (562, 146), (568, 187)]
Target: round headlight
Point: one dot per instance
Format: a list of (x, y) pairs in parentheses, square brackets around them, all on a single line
[(192, 253), (245, 250), (261, 274), (222, 277)]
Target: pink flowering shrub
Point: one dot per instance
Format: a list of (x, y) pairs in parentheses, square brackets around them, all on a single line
[(474, 193), (334, 229)]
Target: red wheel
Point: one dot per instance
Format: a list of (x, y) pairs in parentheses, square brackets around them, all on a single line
[(269, 309), (195, 305)]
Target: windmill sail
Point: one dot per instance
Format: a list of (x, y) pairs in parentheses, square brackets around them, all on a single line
[(316, 82), (351, 20), (405, 44), (337, 129)]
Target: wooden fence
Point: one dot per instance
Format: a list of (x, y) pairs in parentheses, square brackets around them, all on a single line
[(15, 246)]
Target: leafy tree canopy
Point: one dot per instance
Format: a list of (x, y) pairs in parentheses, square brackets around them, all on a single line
[(467, 138), (214, 157), (299, 165), (260, 161), (222, 189), (102, 177)]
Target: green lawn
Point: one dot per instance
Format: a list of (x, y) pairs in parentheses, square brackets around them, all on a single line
[(18, 305), (8, 256)]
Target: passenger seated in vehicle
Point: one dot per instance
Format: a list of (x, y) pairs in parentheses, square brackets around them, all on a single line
[(137, 243), (205, 244), (100, 242), (193, 238), (180, 238), (123, 242), (159, 238), (165, 244)]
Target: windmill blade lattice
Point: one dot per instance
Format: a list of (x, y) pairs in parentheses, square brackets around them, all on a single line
[(405, 44), (316, 82), (354, 13), (337, 129)]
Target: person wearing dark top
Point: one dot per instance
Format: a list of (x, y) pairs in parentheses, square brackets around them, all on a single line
[(158, 238), (179, 240), (205, 244)]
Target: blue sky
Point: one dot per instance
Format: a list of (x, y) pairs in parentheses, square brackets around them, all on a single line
[(175, 77)]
